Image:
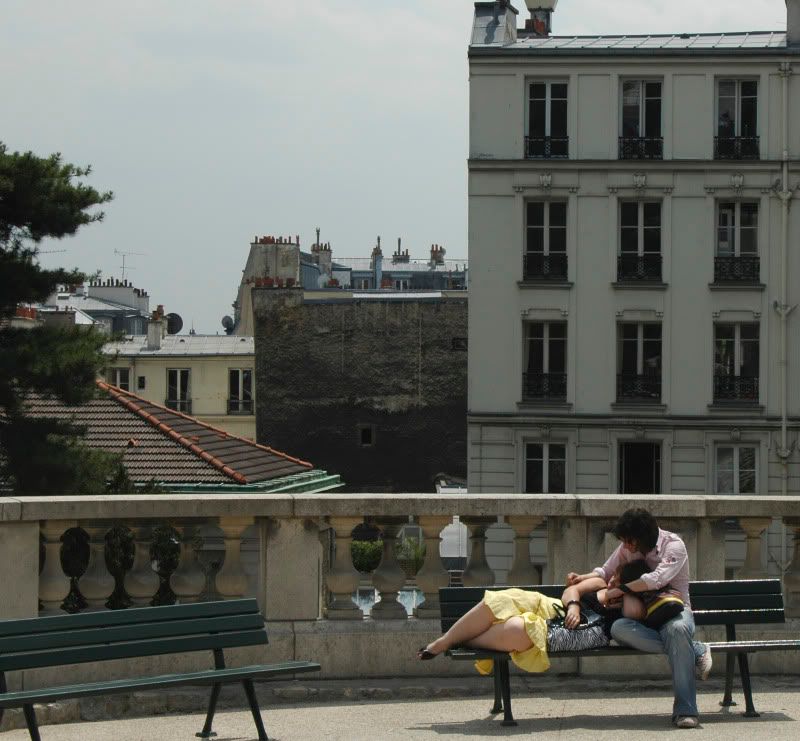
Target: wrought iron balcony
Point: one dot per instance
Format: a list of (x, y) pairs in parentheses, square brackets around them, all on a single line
[(739, 269), (737, 147), (641, 147), (639, 267), (239, 406), (634, 387), (179, 405), (736, 388), (538, 266), (539, 386), (546, 147)]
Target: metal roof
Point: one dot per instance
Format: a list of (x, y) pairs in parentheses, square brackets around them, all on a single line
[(364, 264), (85, 303), (192, 344)]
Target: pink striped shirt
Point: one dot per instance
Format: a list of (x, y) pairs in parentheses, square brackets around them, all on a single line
[(669, 562)]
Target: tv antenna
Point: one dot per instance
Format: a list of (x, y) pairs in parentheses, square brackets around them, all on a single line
[(125, 255)]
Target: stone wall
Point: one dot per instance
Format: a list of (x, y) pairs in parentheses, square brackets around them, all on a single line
[(329, 367)]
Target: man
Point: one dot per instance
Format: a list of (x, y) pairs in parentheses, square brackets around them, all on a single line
[(665, 554)]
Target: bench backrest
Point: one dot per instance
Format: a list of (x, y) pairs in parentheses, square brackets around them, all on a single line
[(713, 602), (120, 634)]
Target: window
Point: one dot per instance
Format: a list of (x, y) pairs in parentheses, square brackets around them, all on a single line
[(401, 284), (639, 468), (545, 468), (141, 383), (639, 362), (240, 391), (547, 120), (641, 120), (546, 376), (119, 377), (362, 284), (736, 362), (736, 257), (546, 241), (640, 241), (178, 390), (366, 436), (737, 120), (736, 469)]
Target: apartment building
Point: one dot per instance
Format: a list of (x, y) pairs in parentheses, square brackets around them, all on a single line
[(631, 237)]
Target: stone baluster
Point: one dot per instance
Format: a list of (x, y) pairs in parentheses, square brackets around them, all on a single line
[(523, 572), (141, 582), (433, 575), (231, 579), (754, 528), (389, 577), (792, 579), (343, 578), (188, 580), (53, 582), (97, 583), (477, 573)]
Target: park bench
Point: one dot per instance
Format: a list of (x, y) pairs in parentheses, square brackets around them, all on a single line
[(63, 640), (728, 603)]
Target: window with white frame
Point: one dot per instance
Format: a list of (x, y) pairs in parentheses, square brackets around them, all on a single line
[(401, 284), (545, 468), (736, 361), (737, 108), (546, 240), (240, 391), (639, 241), (362, 284), (737, 229), (736, 469), (547, 119), (179, 390), (641, 109), (639, 361), (119, 377), (546, 375)]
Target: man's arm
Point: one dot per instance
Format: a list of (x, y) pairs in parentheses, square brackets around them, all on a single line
[(673, 560), (605, 572)]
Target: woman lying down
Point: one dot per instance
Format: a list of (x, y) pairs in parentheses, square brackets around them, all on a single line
[(528, 625)]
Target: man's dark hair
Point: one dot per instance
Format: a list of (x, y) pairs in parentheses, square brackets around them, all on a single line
[(632, 571), (639, 526)]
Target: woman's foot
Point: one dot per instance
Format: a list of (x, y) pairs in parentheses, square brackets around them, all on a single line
[(425, 654)]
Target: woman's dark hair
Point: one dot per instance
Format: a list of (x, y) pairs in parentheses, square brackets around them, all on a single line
[(639, 526), (632, 571)]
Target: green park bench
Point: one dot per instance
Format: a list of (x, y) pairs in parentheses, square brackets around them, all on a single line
[(63, 640), (728, 603)]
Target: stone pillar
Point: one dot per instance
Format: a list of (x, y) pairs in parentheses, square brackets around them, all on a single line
[(567, 542), (477, 573), (141, 582), (523, 572), (343, 578), (792, 578), (231, 579), (754, 528), (188, 580), (389, 577), (53, 582), (19, 570), (432, 576), (96, 584), (710, 562)]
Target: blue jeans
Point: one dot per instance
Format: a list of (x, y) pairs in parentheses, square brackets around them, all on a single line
[(676, 640)]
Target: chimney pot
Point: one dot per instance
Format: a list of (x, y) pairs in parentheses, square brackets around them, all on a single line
[(541, 20)]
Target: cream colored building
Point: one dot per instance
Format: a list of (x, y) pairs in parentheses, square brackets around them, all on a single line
[(632, 235)]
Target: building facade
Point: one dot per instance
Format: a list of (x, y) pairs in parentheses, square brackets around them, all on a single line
[(631, 238)]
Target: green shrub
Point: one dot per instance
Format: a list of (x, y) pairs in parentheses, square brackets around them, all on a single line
[(366, 554), (411, 554)]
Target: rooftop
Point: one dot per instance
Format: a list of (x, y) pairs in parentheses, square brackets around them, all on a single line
[(191, 344), (388, 266)]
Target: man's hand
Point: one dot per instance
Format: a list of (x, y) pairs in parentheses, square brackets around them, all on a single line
[(614, 594), (573, 579), (573, 618)]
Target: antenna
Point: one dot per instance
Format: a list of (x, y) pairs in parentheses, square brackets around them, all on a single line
[(49, 252), (124, 255)]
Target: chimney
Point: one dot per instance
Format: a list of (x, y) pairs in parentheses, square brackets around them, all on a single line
[(793, 22), (541, 21), (494, 24), (156, 329), (437, 255)]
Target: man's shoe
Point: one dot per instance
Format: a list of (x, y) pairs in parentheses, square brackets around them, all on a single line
[(687, 721), (703, 666)]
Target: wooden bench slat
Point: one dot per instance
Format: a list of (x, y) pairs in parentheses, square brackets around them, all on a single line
[(739, 617), (734, 602), (210, 676), (742, 587)]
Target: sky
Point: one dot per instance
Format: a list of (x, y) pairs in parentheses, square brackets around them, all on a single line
[(217, 120)]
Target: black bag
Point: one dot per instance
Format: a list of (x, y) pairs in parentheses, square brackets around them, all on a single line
[(588, 635)]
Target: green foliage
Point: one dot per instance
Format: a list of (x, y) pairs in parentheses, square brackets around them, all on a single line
[(411, 554), (366, 554)]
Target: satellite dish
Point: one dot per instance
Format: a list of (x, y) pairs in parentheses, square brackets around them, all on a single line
[(227, 323), (174, 324)]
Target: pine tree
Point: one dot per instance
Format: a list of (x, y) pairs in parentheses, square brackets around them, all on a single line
[(39, 198)]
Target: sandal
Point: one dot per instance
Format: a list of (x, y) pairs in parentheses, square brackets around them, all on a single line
[(424, 655)]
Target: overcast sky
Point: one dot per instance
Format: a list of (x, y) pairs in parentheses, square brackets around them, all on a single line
[(216, 120)]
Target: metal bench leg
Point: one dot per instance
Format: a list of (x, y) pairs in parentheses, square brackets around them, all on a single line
[(250, 691), (730, 665), (498, 699), (30, 721), (219, 663), (508, 718), (744, 671), (3, 689)]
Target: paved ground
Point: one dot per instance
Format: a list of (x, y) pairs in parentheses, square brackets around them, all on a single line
[(563, 709)]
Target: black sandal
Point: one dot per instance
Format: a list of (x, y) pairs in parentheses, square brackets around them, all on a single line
[(424, 655)]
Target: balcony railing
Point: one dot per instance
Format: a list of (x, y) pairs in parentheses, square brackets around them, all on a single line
[(635, 387), (238, 406), (546, 147), (737, 147), (641, 147), (739, 269), (544, 386), (179, 405), (736, 388), (639, 268), (538, 266)]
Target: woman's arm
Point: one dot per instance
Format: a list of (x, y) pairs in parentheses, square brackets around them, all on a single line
[(633, 607), (574, 592)]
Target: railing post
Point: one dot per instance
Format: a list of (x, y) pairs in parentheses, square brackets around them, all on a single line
[(141, 582), (567, 547), (97, 583), (53, 582), (188, 580), (710, 562), (792, 578), (343, 578), (231, 581), (389, 577), (523, 572), (478, 573), (433, 575), (754, 528)]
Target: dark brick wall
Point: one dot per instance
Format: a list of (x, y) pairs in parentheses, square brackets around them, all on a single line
[(325, 369)]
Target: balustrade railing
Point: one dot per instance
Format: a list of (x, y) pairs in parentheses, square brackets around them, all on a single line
[(546, 147), (737, 147), (637, 268), (551, 267), (736, 388), (641, 147), (544, 386), (635, 387), (737, 269)]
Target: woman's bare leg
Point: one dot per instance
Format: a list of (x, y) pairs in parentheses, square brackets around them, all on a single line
[(508, 636), (470, 625)]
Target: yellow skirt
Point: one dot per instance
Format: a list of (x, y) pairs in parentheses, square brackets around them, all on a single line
[(535, 609)]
